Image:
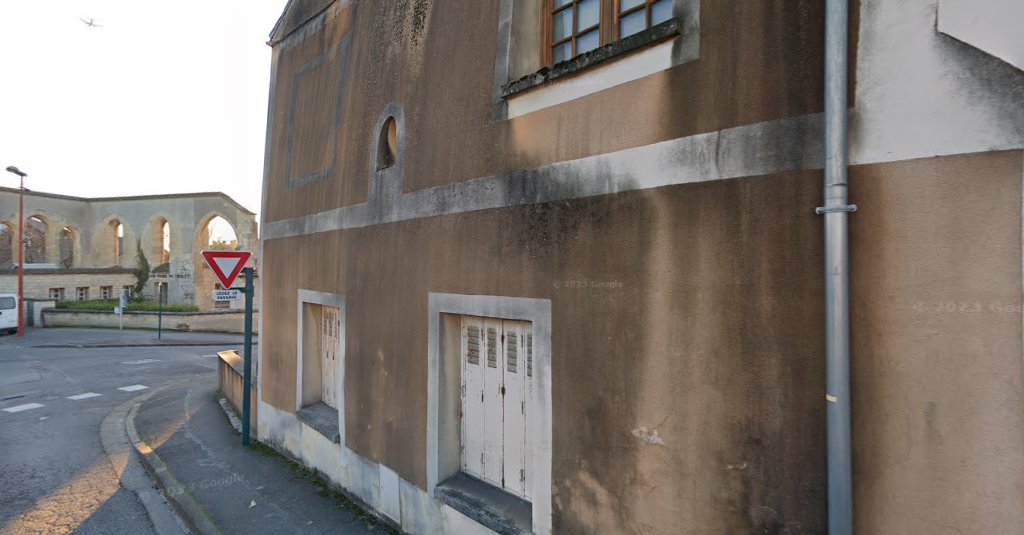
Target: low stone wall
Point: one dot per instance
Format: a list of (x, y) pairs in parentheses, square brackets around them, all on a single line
[(229, 373), (39, 281), (227, 321)]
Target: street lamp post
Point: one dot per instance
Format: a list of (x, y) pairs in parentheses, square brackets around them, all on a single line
[(21, 248)]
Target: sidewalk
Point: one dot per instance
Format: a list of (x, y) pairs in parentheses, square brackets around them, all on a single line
[(61, 337), (239, 490)]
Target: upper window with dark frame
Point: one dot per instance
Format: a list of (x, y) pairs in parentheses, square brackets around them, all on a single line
[(573, 27)]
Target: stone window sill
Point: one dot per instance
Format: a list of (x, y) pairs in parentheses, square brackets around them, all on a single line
[(323, 418), (487, 505), (664, 31)]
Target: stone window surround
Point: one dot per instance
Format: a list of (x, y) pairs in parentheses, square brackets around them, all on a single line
[(523, 84), (444, 456), (337, 435)]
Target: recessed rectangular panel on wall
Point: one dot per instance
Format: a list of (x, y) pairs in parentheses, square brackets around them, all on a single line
[(514, 421), (473, 360), (493, 404), (330, 337)]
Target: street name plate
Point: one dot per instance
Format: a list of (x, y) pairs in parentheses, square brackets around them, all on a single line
[(226, 295)]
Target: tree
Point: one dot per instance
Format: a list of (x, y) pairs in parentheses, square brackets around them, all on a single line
[(141, 270)]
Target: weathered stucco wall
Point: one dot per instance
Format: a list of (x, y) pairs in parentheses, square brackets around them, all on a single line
[(759, 61), (922, 93), (698, 317), (938, 378), (670, 222), (682, 292)]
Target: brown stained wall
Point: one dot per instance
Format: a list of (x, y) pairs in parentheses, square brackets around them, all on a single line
[(938, 424), (759, 60), (706, 341), (714, 339), (312, 111)]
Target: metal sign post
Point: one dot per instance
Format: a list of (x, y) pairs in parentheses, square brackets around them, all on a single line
[(123, 302), (227, 265), (159, 311), (247, 354)]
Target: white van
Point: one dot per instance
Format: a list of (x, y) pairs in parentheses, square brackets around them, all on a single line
[(9, 313)]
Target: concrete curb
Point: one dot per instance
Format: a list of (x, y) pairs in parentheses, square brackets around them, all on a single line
[(193, 514), (173, 344), (132, 475)]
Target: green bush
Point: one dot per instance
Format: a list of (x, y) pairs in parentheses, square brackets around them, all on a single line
[(134, 304)]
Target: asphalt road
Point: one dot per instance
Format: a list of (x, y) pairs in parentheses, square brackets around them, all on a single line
[(55, 474)]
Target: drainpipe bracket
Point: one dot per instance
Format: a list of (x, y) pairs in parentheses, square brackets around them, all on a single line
[(841, 208)]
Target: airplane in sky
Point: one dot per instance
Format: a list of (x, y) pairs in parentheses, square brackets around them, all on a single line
[(90, 23)]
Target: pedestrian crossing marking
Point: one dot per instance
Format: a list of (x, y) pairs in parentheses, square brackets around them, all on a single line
[(86, 395), (25, 407)]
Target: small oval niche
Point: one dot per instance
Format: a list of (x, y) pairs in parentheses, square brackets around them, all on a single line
[(387, 144)]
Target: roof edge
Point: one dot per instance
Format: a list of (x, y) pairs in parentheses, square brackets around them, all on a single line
[(287, 28), (134, 198)]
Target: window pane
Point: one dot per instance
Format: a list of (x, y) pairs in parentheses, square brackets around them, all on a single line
[(589, 14), (633, 23), (562, 52), (627, 4), (560, 3), (587, 42), (661, 11), (562, 26)]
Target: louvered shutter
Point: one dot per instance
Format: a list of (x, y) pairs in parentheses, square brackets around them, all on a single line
[(329, 339), (473, 345), (493, 401), (514, 408)]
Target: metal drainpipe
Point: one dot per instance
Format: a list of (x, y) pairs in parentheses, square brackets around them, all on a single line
[(837, 275)]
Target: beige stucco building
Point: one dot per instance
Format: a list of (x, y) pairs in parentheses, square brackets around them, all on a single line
[(85, 248), (514, 294)]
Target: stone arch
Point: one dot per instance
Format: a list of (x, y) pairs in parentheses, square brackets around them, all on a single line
[(8, 237), (153, 239), (69, 247), (202, 235), (114, 248), (205, 280), (35, 236)]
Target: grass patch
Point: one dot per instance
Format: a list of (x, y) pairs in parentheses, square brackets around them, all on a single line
[(108, 305)]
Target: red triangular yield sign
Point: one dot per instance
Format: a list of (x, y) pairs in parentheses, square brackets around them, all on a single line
[(226, 264)]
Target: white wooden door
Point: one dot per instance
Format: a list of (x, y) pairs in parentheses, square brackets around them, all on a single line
[(329, 339), (493, 410), (528, 395), (497, 371), (473, 351), (514, 420)]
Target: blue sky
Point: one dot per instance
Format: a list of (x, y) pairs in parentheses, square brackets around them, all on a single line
[(165, 97)]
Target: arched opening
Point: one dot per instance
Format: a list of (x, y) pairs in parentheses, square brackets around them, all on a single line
[(117, 240), (35, 240), (387, 144), (220, 235), (215, 233), (6, 246), (66, 245), (161, 249)]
